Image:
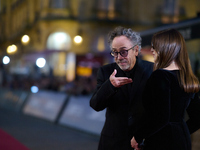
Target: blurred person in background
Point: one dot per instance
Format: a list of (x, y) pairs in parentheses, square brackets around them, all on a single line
[(119, 90), (169, 92)]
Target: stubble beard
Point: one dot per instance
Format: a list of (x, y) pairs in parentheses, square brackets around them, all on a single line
[(123, 67)]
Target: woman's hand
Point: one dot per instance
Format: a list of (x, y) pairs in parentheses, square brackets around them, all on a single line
[(134, 144)]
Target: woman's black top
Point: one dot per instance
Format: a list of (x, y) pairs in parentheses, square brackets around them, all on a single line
[(166, 103)]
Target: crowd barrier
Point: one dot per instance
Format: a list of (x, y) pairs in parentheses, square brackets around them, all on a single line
[(80, 115), (12, 99), (45, 105), (56, 107)]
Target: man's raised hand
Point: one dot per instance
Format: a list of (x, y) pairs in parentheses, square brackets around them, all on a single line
[(119, 81)]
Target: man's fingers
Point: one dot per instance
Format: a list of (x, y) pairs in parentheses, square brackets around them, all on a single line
[(114, 72), (119, 81), (123, 81)]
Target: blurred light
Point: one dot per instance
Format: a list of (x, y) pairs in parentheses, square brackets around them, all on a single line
[(101, 44), (84, 71), (40, 62), (6, 60), (11, 49), (34, 89), (78, 39), (71, 67), (25, 39), (59, 41)]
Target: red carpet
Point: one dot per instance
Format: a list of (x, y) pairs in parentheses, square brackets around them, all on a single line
[(7, 142)]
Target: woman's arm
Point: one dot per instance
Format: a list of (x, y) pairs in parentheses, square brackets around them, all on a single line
[(193, 111)]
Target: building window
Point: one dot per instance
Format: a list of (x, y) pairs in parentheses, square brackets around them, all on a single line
[(59, 3), (108, 9), (169, 7), (171, 12)]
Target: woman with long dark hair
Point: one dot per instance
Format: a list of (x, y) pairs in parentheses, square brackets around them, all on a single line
[(171, 90)]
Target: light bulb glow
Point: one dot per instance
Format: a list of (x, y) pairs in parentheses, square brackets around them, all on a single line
[(34, 89), (6, 60), (78, 39), (40, 62), (11, 49), (25, 39)]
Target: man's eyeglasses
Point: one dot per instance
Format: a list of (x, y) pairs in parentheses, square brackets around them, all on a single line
[(123, 53)]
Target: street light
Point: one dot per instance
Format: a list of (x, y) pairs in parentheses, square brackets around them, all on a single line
[(25, 39), (6, 60), (40, 62), (11, 49), (34, 89), (78, 39)]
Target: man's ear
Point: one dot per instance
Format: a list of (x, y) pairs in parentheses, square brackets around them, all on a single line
[(136, 50)]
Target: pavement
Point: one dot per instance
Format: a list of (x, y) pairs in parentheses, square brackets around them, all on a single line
[(38, 134)]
